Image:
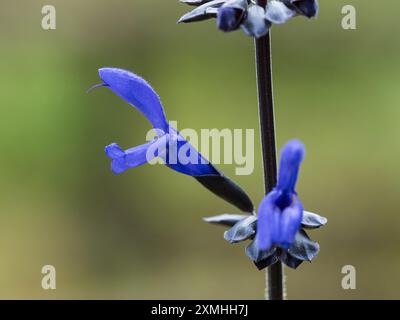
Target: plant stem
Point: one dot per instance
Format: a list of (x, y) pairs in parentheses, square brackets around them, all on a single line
[(275, 287)]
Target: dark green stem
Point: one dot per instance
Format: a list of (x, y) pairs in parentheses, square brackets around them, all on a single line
[(267, 124)]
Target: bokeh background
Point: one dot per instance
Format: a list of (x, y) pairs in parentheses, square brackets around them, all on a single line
[(140, 235)]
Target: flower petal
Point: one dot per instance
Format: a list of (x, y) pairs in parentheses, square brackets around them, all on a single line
[(268, 227), (289, 260), (292, 155), (308, 8), (231, 14), (255, 24), (241, 231), (261, 258), (290, 223), (134, 157), (278, 13), (137, 92), (228, 220), (184, 158), (313, 221), (203, 12), (303, 247), (114, 151), (118, 166), (228, 19)]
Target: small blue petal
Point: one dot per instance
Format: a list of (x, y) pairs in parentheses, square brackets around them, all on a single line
[(114, 151), (137, 156), (268, 225), (290, 223), (278, 13), (292, 155), (137, 92), (276, 227), (309, 8), (228, 19), (118, 166)]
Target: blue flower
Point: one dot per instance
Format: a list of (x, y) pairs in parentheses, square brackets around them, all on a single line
[(277, 232), (137, 92), (176, 152), (280, 213), (253, 19)]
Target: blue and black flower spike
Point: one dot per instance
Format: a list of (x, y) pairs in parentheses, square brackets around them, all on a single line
[(168, 143), (253, 19), (278, 232)]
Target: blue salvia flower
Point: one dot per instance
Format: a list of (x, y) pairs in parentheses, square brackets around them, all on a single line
[(253, 19), (168, 144), (280, 213), (277, 232)]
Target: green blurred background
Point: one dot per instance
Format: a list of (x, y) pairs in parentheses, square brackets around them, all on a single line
[(140, 234)]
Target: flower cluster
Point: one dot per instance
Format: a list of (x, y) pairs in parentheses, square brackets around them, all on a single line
[(277, 230), (277, 233), (253, 19)]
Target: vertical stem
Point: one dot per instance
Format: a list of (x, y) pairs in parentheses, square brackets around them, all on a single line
[(267, 125)]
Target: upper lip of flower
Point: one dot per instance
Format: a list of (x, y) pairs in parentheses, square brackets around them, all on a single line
[(137, 92)]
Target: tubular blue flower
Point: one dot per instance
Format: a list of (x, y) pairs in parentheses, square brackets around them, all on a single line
[(169, 145), (281, 212), (277, 233), (138, 93)]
